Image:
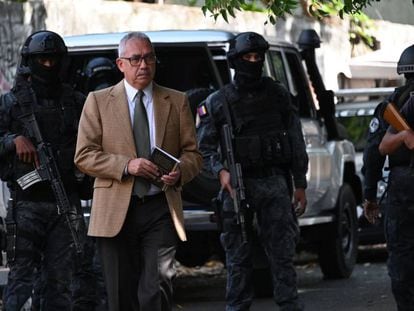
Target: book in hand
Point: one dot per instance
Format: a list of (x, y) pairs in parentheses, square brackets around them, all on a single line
[(166, 163)]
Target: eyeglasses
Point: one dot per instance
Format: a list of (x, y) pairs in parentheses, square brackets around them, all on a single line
[(136, 60)]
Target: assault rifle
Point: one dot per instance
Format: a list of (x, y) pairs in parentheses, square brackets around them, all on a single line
[(48, 169), (236, 179)]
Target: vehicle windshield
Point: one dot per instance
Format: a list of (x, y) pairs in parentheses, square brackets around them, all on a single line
[(356, 129)]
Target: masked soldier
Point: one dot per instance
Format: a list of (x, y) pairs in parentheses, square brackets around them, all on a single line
[(39, 238), (269, 146), (373, 160), (399, 211), (100, 72)]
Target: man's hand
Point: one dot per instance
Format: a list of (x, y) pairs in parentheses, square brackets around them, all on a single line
[(299, 201), (172, 178), (225, 181), (371, 211), (25, 150), (409, 139), (143, 167)]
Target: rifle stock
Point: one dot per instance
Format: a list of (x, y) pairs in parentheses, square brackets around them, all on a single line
[(394, 118)]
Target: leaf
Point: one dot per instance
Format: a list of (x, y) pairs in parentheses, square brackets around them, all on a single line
[(231, 11), (223, 13)]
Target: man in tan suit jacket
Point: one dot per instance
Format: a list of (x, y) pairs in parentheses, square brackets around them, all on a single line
[(136, 234)]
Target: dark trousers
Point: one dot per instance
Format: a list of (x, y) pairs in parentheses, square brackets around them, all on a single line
[(399, 233), (43, 256), (131, 260), (277, 229)]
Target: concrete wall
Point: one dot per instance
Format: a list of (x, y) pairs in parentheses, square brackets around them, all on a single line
[(68, 17)]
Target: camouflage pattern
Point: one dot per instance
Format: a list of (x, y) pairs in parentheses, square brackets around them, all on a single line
[(278, 232), (399, 224), (43, 244), (270, 213)]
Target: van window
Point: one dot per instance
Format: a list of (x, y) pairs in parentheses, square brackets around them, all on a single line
[(184, 68), (356, 129), (279, 72)]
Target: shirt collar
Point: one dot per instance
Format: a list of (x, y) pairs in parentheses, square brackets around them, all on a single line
[(131, 91)]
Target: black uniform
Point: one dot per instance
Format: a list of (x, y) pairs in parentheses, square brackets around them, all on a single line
[(399, 220), (270, 147), (44, 251), (373, 160)]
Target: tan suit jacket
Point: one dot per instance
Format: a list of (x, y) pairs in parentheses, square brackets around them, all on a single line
[(105, 145)]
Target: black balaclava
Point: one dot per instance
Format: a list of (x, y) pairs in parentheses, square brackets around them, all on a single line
[(248, 74), (45, 80)]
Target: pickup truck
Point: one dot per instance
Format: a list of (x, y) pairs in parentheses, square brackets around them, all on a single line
[(194, 61)]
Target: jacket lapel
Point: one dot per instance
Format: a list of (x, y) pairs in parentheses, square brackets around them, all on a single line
[(162, 107), (120, 112)]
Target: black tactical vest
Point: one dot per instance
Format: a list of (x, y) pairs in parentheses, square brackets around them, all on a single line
[(260, 120), (58, 122)]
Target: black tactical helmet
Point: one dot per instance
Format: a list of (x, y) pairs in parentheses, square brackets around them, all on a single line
[(43, 42), (309, 38), (246, 42), (99, 73), (406, 62)]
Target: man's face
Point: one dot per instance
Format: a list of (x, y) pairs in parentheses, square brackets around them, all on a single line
[(47, 60), (252, 57), (138, 74)]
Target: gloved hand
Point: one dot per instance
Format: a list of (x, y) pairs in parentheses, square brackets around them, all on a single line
[(371, 211)]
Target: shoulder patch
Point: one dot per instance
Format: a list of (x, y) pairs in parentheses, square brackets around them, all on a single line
[(373, 125), (202, 111)]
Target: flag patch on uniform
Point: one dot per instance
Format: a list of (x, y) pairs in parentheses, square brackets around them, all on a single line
[(202, 111)]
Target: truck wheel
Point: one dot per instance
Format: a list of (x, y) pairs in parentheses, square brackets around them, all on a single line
[(337, 255)]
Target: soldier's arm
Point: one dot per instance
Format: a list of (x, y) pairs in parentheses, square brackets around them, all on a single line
[(373, 160), (208, 134), (6, 136), (393, 139)]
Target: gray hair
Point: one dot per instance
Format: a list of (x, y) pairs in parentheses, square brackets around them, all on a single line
[(132, 35)]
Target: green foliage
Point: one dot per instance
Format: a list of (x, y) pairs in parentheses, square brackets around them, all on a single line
[(360, 30), (278, 8), (360, 24), (320, 8)]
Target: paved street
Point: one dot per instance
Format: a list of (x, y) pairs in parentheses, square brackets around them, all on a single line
[(367, 289)]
